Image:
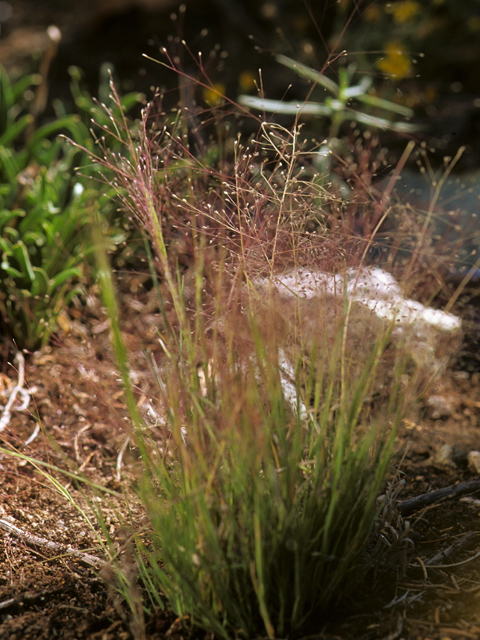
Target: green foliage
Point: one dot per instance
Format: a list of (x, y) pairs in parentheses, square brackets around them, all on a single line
[(337, 106), (46, 203), (43, 215), (108, 112), (43, 250)]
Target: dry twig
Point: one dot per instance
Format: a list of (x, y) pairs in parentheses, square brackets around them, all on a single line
[(407, 507), (37, 541)]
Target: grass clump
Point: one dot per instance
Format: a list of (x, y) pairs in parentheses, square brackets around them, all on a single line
[(260, 521), (258, 518)]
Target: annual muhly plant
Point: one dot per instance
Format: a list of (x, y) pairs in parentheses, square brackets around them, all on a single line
[(258, 518), (260, 521)]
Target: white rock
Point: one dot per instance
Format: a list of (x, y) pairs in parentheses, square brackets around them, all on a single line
[(430, 336), (373, 287)]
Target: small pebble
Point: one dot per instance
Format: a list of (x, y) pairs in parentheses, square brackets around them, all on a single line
[(474, 461), (443, 457), (439, 407)]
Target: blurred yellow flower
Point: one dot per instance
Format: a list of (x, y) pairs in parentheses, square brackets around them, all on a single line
[(404, 11), (473, 23), (213, 95), (396, 62), (246, 81)]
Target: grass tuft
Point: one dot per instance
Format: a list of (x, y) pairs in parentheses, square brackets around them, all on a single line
[(259, 518)]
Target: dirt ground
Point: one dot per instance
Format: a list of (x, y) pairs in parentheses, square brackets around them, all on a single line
[(76, 399)]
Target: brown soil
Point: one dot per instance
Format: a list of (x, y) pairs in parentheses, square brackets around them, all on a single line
[(78, 402)]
